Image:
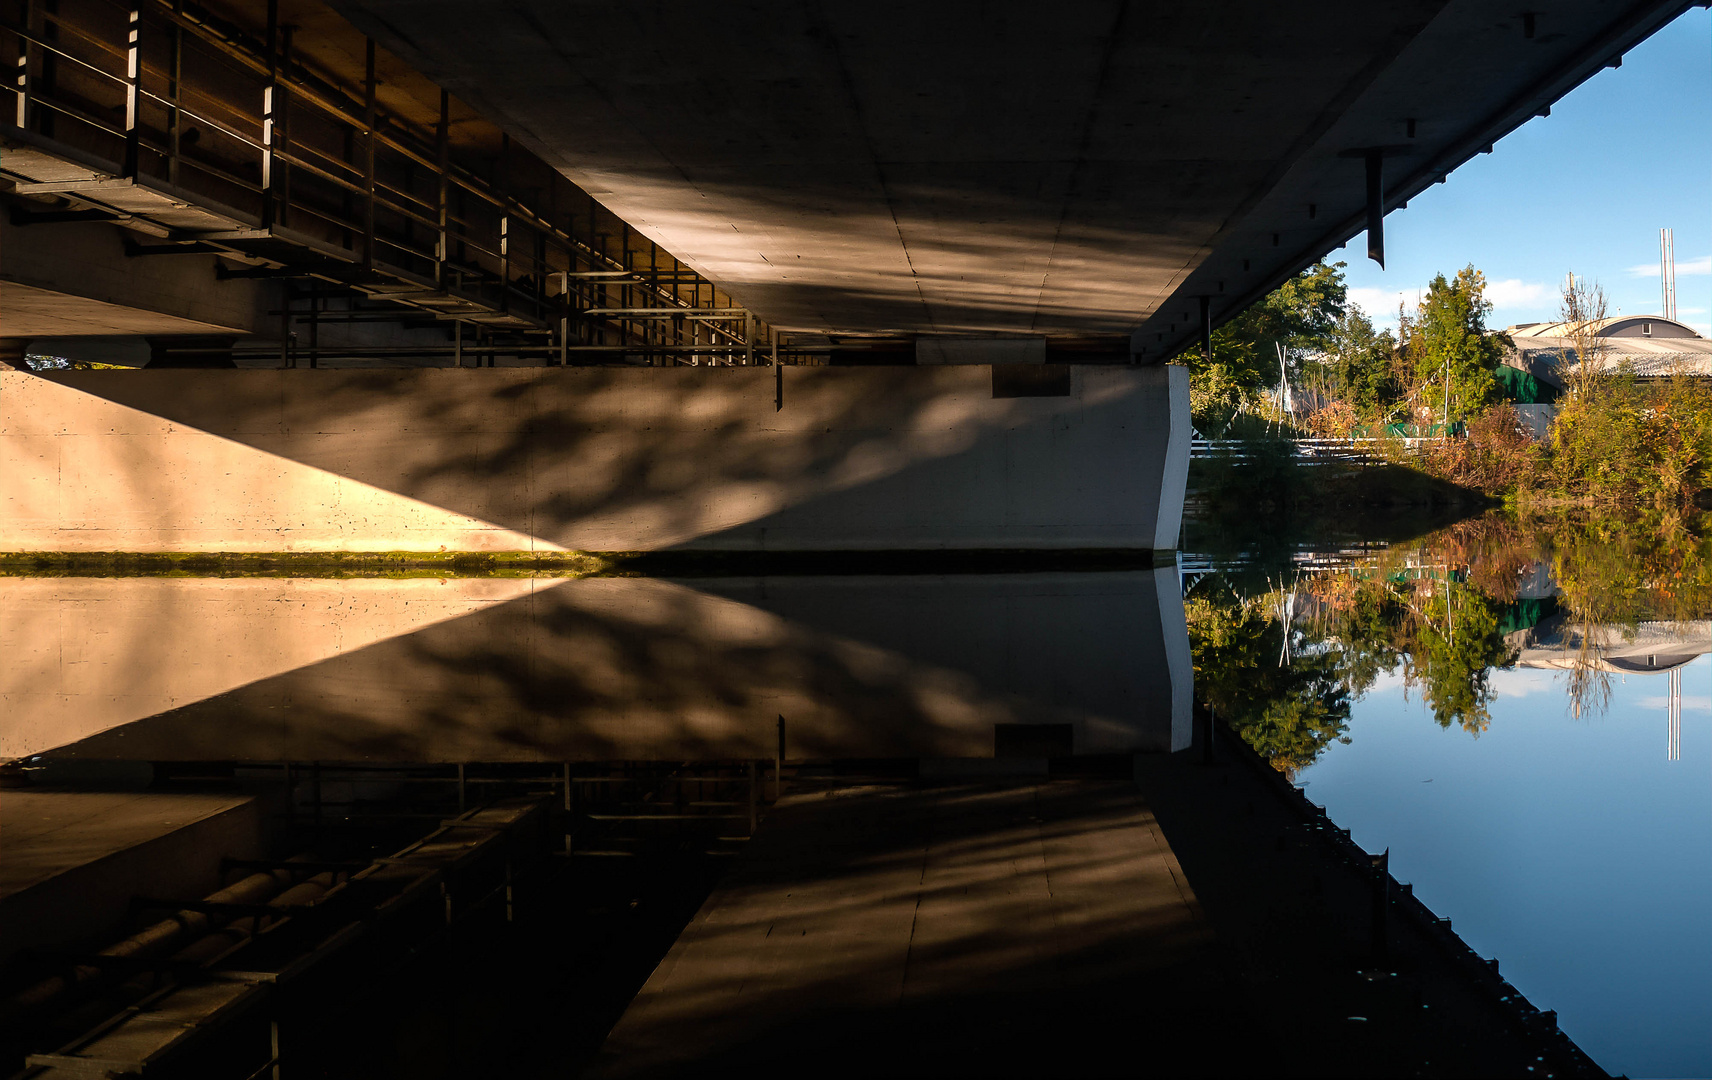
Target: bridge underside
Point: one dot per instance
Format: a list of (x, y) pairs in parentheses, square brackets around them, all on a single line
[(1033, 170), (587, 183)]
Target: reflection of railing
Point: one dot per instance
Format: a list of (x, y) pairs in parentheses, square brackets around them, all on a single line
[(245, 141), (1395, 911), (201, 966)]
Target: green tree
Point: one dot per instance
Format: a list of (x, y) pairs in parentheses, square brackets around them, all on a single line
[(1448, 339), (1302, 315), (1357, 363), (1620, 443)]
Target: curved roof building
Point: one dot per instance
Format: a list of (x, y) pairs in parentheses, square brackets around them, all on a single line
[(1650, 345)]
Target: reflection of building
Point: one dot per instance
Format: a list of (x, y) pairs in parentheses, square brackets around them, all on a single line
[(1559, 644)]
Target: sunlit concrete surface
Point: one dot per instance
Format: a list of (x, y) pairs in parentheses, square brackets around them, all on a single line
[(601, 459), (85, 473), (70, 861), (970, 929), (87, 654), (608, 668)]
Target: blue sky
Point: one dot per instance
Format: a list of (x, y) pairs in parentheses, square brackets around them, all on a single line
[(1585, 189)]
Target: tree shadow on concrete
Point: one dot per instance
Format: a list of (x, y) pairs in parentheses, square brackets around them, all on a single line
[(621, 459)]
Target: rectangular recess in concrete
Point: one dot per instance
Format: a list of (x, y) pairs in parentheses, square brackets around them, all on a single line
[(1031, 380)]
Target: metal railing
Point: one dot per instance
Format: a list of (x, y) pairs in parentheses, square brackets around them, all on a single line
[(243, 140), (1311, 451)]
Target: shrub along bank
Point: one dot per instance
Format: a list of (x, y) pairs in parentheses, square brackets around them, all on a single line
[(1620, 442)]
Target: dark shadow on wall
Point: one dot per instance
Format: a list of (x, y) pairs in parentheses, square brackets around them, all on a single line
[(638, 668), (621, 459)]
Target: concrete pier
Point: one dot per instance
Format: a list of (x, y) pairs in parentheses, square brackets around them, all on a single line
[(593, 459)]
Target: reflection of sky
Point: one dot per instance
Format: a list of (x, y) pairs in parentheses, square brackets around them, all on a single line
[(1571, 850)]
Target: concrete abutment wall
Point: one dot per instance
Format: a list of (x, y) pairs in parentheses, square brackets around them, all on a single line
[(594, 459)]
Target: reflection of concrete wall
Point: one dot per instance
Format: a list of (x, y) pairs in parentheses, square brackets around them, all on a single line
[(638, 668), (588, 458), (84, 655)]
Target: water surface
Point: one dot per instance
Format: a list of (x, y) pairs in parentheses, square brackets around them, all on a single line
[(1523, 716)]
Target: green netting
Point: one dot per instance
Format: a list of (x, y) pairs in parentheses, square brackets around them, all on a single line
[(1523, 388)]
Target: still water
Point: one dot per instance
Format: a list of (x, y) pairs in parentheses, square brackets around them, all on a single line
[(1523, 716)]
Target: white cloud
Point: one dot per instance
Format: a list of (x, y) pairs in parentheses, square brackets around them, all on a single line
[(1690, 703), (1514, 292), (1523, 682), (1381, 304), (1700, 266)]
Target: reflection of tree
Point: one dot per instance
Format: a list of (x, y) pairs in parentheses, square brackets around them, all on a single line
[(1428, 620), (1287, 710), (1443, 612), (1289, 704), (1615, 573), (1449, 649)]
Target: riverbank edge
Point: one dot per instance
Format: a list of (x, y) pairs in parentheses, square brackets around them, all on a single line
[(573, 564)]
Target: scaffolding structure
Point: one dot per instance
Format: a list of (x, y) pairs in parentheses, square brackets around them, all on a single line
[(271, 147)]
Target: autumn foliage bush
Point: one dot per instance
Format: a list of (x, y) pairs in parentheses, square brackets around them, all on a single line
[(1333, 421), (1622, 443), (1495, 456)]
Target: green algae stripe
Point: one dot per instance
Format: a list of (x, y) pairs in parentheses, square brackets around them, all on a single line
[(566, 564), (311, 564)]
